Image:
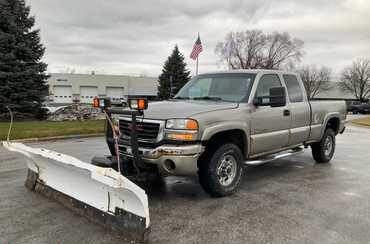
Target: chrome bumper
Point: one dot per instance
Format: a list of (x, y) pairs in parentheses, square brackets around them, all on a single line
[(170, 159)]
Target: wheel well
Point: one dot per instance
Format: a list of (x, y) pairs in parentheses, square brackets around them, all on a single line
[(236, 136), (333, 123)]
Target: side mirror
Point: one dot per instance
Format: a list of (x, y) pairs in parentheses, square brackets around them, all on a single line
[(276, 98)]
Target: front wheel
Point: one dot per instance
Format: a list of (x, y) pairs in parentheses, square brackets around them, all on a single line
[(221, 170), (323, 150)]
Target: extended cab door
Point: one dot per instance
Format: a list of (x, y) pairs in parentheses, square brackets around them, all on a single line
[(299, 110), (269, 125)]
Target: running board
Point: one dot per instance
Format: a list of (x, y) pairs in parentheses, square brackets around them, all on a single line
[(274, 157)]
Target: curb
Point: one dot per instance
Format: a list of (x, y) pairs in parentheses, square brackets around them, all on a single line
[(55, 138)]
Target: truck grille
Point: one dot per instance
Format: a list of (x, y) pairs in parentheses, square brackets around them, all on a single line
[(145, 130)]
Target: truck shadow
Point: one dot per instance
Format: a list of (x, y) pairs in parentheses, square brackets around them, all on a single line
[(255, 177)]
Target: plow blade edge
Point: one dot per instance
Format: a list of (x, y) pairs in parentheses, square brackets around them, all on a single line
[(101, 194)]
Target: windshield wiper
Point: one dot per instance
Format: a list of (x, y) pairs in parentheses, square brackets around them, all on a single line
[(185, 98), (208, 98)]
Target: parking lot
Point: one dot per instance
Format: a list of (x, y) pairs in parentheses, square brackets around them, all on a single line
[(292, 200)]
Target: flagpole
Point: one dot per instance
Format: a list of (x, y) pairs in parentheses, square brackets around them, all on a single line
[(196, 68), (228, 63), (197, 58)]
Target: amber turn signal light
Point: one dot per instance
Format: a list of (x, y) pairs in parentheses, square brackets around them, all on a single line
[(191, 124), (181, 137)]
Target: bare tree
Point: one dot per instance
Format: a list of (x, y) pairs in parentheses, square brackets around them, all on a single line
[(242, 50), (356, 79), (281, 49), (315, 79), (253, 49)]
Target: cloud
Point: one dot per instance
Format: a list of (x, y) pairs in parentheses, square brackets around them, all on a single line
[(115, 36)]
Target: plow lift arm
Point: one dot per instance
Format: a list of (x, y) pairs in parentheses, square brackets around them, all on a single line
[(102, 194), (137, 107)]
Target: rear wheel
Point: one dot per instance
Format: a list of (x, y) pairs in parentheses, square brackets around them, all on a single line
[(220, 170), (323, 150)]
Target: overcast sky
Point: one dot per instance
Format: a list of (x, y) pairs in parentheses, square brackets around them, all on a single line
[(135, 37)]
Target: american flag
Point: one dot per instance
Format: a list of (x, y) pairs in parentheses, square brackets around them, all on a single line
[(197, 48)]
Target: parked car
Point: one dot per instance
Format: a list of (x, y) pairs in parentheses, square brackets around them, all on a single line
[(359, 108)]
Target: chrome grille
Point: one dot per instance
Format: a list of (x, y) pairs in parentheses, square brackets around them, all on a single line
[(145, 130)]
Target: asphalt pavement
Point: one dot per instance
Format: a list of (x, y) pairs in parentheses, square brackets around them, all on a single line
[(292, 200)]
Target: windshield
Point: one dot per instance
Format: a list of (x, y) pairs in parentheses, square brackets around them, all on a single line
[(224, 87)]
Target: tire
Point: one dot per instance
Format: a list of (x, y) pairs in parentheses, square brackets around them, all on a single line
[(322, 152), (221, 170)]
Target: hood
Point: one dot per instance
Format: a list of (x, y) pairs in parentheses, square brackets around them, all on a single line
[(184, 108)]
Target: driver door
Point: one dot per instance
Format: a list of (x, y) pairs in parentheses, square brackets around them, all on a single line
[(269, 125)]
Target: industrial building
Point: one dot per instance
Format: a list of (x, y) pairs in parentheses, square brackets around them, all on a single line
[(67, 88)]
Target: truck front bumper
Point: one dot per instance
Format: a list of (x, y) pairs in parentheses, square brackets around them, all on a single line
[(178, 160)]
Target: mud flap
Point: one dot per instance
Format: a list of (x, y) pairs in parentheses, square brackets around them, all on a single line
[(101, 194)]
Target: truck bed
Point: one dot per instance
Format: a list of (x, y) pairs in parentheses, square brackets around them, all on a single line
[(322, 111)]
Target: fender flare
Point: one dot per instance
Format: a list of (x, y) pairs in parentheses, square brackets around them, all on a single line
[(326, 120), (218, 127)]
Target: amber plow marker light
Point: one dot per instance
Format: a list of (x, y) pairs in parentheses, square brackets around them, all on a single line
[(96, 102), (138, 103), (101, 102)]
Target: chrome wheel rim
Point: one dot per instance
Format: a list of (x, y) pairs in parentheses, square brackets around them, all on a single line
[(226, 170), (328, 146)]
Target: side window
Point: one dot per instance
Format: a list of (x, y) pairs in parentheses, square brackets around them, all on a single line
[(294, 89), (266, 82)]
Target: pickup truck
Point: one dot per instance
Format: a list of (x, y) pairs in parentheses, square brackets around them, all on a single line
[(219, 122)]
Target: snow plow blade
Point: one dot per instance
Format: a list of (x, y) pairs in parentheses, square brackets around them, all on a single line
[(101, 194)]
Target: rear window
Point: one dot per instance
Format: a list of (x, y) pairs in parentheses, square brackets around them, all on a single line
[(294, 89)]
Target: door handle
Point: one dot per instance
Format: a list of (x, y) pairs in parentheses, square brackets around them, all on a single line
[(286, 112)]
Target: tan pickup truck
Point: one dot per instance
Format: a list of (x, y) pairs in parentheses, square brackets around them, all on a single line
[(219, 122)]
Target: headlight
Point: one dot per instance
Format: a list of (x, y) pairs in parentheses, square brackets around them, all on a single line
[(182, 129), (182, 124)]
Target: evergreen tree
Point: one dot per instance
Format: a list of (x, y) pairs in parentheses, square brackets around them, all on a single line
[(22, 74), (174, 68)]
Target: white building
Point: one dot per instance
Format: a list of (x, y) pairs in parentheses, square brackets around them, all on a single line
[(69, 88)]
